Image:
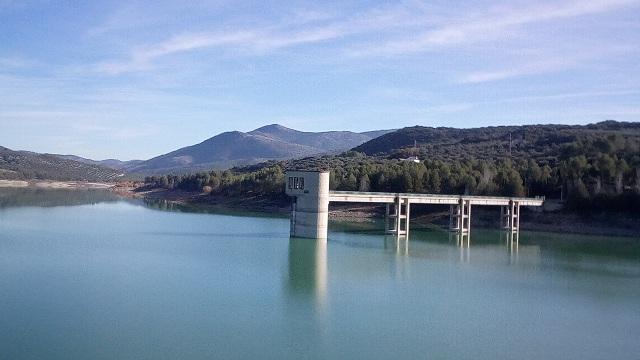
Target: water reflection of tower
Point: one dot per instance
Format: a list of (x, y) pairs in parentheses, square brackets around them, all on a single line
[(308, 269)]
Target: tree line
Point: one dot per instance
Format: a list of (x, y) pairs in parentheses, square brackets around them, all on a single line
[(593, 173)]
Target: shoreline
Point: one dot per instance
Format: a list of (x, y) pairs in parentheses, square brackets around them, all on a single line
[(53, 184), (558, 221)]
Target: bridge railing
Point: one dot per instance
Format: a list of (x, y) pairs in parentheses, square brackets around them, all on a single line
[(444, 196)]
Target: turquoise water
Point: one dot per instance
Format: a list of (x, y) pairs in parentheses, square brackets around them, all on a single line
[(103, 278)]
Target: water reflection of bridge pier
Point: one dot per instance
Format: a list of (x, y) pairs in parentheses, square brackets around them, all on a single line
[(509, 240), (308, 258), (463, 242), (401, 244)]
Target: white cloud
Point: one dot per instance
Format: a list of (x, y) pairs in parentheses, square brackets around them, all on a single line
[(572, 95), (235, 66), (386, 31), (463, 106), (548, 62), (493, 24), (451, 108), (244, 41), (414, 103), (521, 70), (304, 27), (16, 62)]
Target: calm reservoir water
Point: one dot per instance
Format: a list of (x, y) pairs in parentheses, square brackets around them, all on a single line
[(87, 276)]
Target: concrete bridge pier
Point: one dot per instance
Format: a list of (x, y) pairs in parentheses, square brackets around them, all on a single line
[(397, 215), (311, 198), (460, 216), (510, 217)]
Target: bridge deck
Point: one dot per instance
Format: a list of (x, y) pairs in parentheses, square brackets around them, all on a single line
[(381, 197)]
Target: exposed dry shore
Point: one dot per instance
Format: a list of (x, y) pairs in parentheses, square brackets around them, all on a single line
[(50, 184), (549, 221)]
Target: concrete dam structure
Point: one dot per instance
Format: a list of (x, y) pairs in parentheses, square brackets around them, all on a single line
[(311, 197)]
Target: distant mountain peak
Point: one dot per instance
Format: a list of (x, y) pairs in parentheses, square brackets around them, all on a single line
[(269, 142), (272, 128), (108, 163)]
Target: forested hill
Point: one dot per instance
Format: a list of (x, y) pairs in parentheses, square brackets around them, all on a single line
[(29, 165), (593, 167), (543, 143)]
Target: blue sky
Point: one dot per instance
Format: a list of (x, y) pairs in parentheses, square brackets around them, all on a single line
[(135, 79)]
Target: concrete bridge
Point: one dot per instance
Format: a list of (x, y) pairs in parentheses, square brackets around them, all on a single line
[(311, 198)]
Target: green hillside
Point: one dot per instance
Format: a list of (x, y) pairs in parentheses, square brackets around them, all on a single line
[(594, 167), (543, 143), (27, 165)]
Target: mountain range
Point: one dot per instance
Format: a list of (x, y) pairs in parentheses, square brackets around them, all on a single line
[(108, 163), (271, 142), (225, 150), (542, 143)]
